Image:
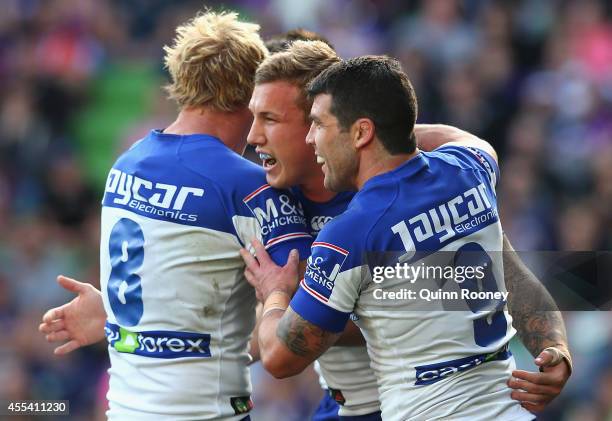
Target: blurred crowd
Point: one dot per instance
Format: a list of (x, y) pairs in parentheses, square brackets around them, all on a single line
[(533, 77)]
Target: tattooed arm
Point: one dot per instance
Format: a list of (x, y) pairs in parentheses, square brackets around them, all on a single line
[(289, 343), (535, 315), (541, 329)]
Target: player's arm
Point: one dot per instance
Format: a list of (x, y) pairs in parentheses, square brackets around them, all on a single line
[(433, 136), (292, 343), (77, 323), (287, 342), (541, 329), (536, 316)]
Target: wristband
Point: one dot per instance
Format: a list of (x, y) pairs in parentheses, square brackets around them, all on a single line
[(560, 355), (271, 309), (277, 300)]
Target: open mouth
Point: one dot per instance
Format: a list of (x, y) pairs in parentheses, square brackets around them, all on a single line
[(320, 160), (267, 159)]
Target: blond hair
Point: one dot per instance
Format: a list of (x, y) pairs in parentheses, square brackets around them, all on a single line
[(213, 61), (298, 65)]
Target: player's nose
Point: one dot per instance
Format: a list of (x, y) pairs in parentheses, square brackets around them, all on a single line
[(310, 136), (255, 136)]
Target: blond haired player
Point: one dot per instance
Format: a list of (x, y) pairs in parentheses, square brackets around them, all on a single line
[(177, 208)]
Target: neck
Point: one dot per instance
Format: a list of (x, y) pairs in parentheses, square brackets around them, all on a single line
[(380, 163), (313, 188), (229, 127)]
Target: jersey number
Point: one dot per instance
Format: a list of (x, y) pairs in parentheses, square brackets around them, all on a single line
[(126, 250), (490, 329), (487, 330)]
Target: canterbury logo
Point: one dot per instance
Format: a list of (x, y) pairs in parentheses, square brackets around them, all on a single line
[(317, 222)]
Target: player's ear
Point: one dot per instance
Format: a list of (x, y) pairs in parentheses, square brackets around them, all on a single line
[(362, 132)]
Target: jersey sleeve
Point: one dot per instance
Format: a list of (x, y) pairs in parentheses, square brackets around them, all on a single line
[(476, 158), (276, 219), (332, 281)]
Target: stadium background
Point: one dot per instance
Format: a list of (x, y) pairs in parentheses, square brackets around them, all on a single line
[(79, 82)]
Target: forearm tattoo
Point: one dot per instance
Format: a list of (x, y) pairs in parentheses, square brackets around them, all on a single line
[(302, 337), (535, 315)]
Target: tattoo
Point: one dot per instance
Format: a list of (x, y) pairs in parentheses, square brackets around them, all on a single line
[(535, 315), (302, 337)]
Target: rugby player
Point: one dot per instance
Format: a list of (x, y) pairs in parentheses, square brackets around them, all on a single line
[(177, 208), (317, 315), (280, 109)]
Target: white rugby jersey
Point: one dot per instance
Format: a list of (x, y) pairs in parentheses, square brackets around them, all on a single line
[(431, 362), (344, 370), (176, 211)]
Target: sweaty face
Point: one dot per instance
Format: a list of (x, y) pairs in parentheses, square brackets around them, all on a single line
[(333, 146), (278, 133)]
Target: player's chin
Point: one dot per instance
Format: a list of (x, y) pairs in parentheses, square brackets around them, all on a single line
[(333, 185), (278, 179), (328, 183)]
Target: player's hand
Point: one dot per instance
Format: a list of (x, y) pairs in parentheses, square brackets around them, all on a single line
[(77, 323), (536, 390), (266, 276)]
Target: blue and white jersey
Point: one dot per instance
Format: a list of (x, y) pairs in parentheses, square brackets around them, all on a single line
[(431, 363), (344, 370), (176, 211)]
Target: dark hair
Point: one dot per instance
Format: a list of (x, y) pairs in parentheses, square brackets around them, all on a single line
[(374, 87), (281, 42)]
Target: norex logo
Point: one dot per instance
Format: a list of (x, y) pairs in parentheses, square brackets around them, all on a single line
[(158, 344)]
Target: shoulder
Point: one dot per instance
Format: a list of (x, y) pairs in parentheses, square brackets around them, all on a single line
[(468, 157), (351, 225), (236, 179), (218, 163)]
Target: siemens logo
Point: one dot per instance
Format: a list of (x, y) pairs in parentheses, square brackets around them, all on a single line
[(318, 275), (322, 268), (160, 195), (432, 373), (158, 344)]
